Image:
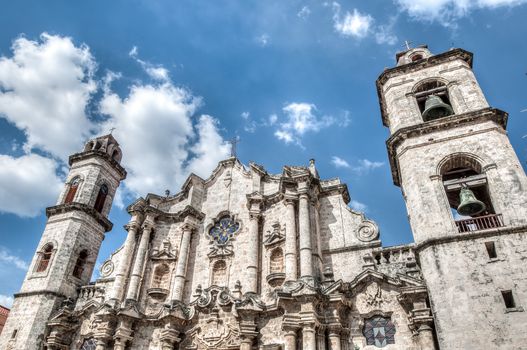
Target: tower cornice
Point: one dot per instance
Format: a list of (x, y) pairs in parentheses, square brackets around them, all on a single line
[(74, 206), (97, 153), (498, 116)]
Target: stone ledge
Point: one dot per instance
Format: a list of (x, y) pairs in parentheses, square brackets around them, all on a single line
[(498, 231), (66, 208), (498, 116)]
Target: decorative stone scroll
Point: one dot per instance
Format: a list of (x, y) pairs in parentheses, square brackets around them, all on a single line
[(368, 231)]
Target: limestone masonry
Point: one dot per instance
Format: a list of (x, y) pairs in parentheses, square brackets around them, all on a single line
[(250, 260)]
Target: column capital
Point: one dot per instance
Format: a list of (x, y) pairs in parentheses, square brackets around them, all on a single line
[(290, 199), (334, 329), (132, 225)]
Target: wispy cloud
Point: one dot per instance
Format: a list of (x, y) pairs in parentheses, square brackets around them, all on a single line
[(351, 24), (6, 300), (263, 39), (7, 258), (304, 12), (156, 72), (339, 162), (361, 167), (358, 206), (447, 12)]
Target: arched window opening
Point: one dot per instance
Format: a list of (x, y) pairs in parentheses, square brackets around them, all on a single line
[(80, 263), (116, 155), (276, 261), (468, 195), (72, 190), (219, 273), (416, 57), (89, 146), (101, 198), (98, 145), (45, 258), (379, 331), (160, 278), (433, 100)]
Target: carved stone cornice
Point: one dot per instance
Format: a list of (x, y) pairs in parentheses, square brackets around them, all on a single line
[(74, 206), (100, 154), (453, 121)]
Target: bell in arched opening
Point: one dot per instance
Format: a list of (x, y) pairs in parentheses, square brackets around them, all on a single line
[(469, 205), (435, 108)]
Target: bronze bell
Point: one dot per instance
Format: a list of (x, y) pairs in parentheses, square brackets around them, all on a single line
[(469, 205), (436, 108)]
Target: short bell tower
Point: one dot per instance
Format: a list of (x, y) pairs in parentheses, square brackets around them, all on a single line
[(69, 246), (466, 198)]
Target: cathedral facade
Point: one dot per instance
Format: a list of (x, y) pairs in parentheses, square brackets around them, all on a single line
[(248, 260)]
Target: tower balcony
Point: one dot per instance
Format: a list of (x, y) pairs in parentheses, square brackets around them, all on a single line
[(480, 223)]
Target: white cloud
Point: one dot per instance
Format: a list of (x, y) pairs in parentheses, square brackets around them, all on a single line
[(301, 118), (351, 24), (365, 166), (27, 183), (245, 115), (7, 258), (263, 39), (44, 90), (155, 128), (304, 12), (156, 72), (6, 300), (447, 11), (339, 162), (358, 206), (273, 119)]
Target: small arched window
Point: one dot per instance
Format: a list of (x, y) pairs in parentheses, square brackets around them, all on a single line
[(433, 100), (80, 263), (416, 57), (101, 198), (72, 190), (161, 277), (219, 273), (89, 344), (276, 261), (45, 258)]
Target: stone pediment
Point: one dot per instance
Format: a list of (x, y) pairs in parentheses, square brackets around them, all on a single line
[(275, 236), (165, 253)]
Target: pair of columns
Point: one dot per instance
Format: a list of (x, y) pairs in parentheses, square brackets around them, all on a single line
[(313, 339), (140, 259), (305, 241)]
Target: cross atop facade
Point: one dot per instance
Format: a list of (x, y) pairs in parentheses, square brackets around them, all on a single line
[(407, 44), (111, 130), (233, 143)]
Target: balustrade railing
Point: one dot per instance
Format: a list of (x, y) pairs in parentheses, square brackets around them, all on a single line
[(480, 223)]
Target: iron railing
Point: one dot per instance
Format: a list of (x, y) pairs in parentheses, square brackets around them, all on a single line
[(480, 223)]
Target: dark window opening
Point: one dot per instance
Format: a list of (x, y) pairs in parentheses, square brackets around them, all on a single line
[(13, 335), (379, 331), (508, 299), (416, 58), (45, 258), (74, 185), (433, 100), (79, 264), (491, 250), (101, 198)]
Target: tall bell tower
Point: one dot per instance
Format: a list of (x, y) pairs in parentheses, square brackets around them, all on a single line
[(69, 246), (466, 197)]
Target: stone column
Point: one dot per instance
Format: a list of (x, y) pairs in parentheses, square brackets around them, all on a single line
[(290, 241), (334, 338), (306, 249), (124, 266), (321, 338), (253, 252), (246, 343), (169, 337), (426, 337), (100, 344), (290, 339), (123, 334), (309, 339), (137, 270), (181, 267)]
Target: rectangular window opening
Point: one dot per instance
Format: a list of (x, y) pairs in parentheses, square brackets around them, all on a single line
[(491, 250), (13, 335), (508, 299)]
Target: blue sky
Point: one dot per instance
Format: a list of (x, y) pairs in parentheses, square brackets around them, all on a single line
[(293, 79)]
